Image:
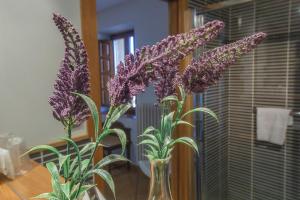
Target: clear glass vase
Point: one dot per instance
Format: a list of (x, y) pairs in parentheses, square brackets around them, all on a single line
[(160, 180)]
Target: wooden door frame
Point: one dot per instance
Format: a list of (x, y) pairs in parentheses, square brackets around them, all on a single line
[(179, 21), (89, 31)]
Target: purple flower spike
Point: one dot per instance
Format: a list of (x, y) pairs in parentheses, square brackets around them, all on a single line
[(167, 80), (73, 76), (147, 64), (206, 71)]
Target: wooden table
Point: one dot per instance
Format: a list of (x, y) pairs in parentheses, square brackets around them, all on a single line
[(33, 183)]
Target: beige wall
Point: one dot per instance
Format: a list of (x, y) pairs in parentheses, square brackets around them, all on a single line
[(31, 50)]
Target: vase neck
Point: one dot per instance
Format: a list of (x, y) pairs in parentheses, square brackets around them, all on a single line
[(159, 182)]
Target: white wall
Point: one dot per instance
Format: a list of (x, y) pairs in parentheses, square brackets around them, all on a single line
[(31, 49), (149, 19)]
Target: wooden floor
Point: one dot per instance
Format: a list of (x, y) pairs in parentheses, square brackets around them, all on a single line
[(131, 184)]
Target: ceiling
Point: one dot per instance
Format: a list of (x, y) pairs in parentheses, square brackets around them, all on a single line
[(105, 4)]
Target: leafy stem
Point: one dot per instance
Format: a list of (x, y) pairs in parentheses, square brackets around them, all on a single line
[(98, 140), (179, 107)]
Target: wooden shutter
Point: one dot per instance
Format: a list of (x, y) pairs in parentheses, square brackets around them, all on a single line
[(106, 68)]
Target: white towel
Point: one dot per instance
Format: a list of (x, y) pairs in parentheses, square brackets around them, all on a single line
[(272, 124)]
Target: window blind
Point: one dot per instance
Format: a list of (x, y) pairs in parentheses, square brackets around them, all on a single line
[(213, 164), (267, 77)]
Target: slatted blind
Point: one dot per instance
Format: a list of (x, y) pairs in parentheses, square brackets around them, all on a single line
[(267, 77), (214, 144), (241, 85)]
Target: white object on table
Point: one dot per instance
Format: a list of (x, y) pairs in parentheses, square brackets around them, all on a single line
[(11, 161), (6, 164)]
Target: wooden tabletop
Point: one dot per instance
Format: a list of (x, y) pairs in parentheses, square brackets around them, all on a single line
[(33, 183)]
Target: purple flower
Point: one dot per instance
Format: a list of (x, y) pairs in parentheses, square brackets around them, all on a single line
[(167, 79), (140, 69), (73, 76), (206, 71)]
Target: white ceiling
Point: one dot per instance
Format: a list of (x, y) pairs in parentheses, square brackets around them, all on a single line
[(105, 4)]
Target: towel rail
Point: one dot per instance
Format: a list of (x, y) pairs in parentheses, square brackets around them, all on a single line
[(292, 113)]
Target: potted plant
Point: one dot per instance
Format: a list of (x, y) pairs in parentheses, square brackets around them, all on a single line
[(71, 107), (158, 64)]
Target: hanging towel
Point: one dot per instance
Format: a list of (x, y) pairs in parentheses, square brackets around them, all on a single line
[(272, 124)]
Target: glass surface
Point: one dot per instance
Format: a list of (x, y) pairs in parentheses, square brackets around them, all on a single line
[(160, 180), (233, 163)]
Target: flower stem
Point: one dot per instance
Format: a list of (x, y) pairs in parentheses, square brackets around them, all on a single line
[(69, 134), (98, 140)]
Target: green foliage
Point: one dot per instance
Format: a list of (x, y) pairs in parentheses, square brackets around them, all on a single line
[(106, 177), (94, 111), (69, 178), (159, 142), (122, 137)]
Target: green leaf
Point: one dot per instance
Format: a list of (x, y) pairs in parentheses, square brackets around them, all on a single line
[(151, 137), (43, 147), (66, 188), (62, 159), (107, 178), (110, 159), (117, 113), (82, 190), (87, 148), (182, 93), (150, 156), (122, 137), (182, 122), (93, 108), (200, 109), (186, 140), (167, 123), (165, 151), (170, 98), (150, 151), (84, 165), (49, 195), (70, 141), (55, 180), (78, 157), (63, 164), (150, 143), (149, 130)]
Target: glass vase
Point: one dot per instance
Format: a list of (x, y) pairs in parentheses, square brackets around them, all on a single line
[(160, 180)]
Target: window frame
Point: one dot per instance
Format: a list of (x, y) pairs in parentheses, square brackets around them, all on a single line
[(126, 36)]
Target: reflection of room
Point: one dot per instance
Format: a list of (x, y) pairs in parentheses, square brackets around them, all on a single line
[(150, 99), (120, 32), (119, 25)]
